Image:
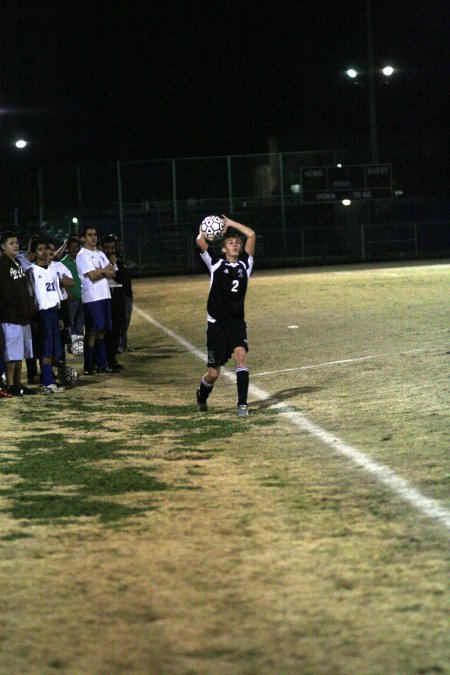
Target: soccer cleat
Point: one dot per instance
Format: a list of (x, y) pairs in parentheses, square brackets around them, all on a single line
[(5, 394), (201, 405), (242, 411), (91, 371), (52, 389), (14, 390), (26, 391), (106, 369)]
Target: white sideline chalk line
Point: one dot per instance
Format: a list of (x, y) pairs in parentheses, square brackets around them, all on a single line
[(334, 363), (427, 506)]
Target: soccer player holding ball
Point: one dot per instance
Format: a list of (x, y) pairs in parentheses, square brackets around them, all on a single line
[(226, 333)]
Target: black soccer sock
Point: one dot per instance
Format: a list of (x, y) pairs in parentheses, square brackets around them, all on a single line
[(242, 381), (100, 353), (205, 389), (88, 356)]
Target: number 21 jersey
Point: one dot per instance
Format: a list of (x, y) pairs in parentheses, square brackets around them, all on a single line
[(45, 287)]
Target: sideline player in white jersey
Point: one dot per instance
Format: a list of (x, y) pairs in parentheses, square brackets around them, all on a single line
[(65, 281), (94, 270), (44, 284), (226, 333)]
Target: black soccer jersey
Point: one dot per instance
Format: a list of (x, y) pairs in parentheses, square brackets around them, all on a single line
[(228, 285)]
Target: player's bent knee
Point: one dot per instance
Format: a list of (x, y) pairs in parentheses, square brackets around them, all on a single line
[(240, 356), (212, 375)]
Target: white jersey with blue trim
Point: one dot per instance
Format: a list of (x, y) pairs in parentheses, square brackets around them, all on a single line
[(88, 261), (44, 285)]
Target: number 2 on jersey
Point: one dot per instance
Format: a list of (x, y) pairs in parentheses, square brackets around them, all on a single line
[(235, 286)]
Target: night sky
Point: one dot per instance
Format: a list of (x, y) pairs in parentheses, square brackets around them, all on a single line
[(92, 80)]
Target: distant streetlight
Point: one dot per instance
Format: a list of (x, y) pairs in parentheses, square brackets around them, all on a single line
[(387, 71), (351, 72), (346, 202), (21, 143)]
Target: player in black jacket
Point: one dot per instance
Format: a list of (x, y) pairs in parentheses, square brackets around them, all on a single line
[(226, 333), (16, 310)]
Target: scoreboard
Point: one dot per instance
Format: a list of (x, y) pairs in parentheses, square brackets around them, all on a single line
[(353, 181)]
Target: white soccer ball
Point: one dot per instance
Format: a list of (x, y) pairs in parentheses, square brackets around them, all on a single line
[(68, 375), (77, 347), (212, 226)]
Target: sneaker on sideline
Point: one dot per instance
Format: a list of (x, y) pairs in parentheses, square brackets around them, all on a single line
[(14, 390), (26, 391), (52, 389)]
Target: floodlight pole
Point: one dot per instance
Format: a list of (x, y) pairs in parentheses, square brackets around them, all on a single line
[(120, 200), (372, 100)]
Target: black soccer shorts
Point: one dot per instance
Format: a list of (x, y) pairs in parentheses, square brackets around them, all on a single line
[(222, 338)]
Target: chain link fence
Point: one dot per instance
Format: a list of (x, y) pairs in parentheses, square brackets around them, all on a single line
[(156, 207)]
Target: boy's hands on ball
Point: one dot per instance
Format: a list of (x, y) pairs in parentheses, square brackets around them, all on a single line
[(201, 234), (226, 223)]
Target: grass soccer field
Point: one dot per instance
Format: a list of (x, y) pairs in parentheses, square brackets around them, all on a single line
[(139, 535)]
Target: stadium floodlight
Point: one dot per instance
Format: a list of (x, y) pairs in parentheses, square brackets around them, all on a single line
[(21, 143), (346, 202), (339, 166), (369, 73), (75, 221)]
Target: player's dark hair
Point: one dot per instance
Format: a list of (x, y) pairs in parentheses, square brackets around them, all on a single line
[(33, 237), (86, 228), (230, 235), (107, 239), (35, 243), (7, 234), (50, 240)]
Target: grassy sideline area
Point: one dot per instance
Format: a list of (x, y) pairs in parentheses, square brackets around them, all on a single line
[(141, 536)]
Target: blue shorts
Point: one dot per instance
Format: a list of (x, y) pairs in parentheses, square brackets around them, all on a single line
[(97, 316), (17, 342), (49, 338)]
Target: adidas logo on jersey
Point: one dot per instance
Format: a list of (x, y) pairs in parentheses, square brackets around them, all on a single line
[(225, 271)]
